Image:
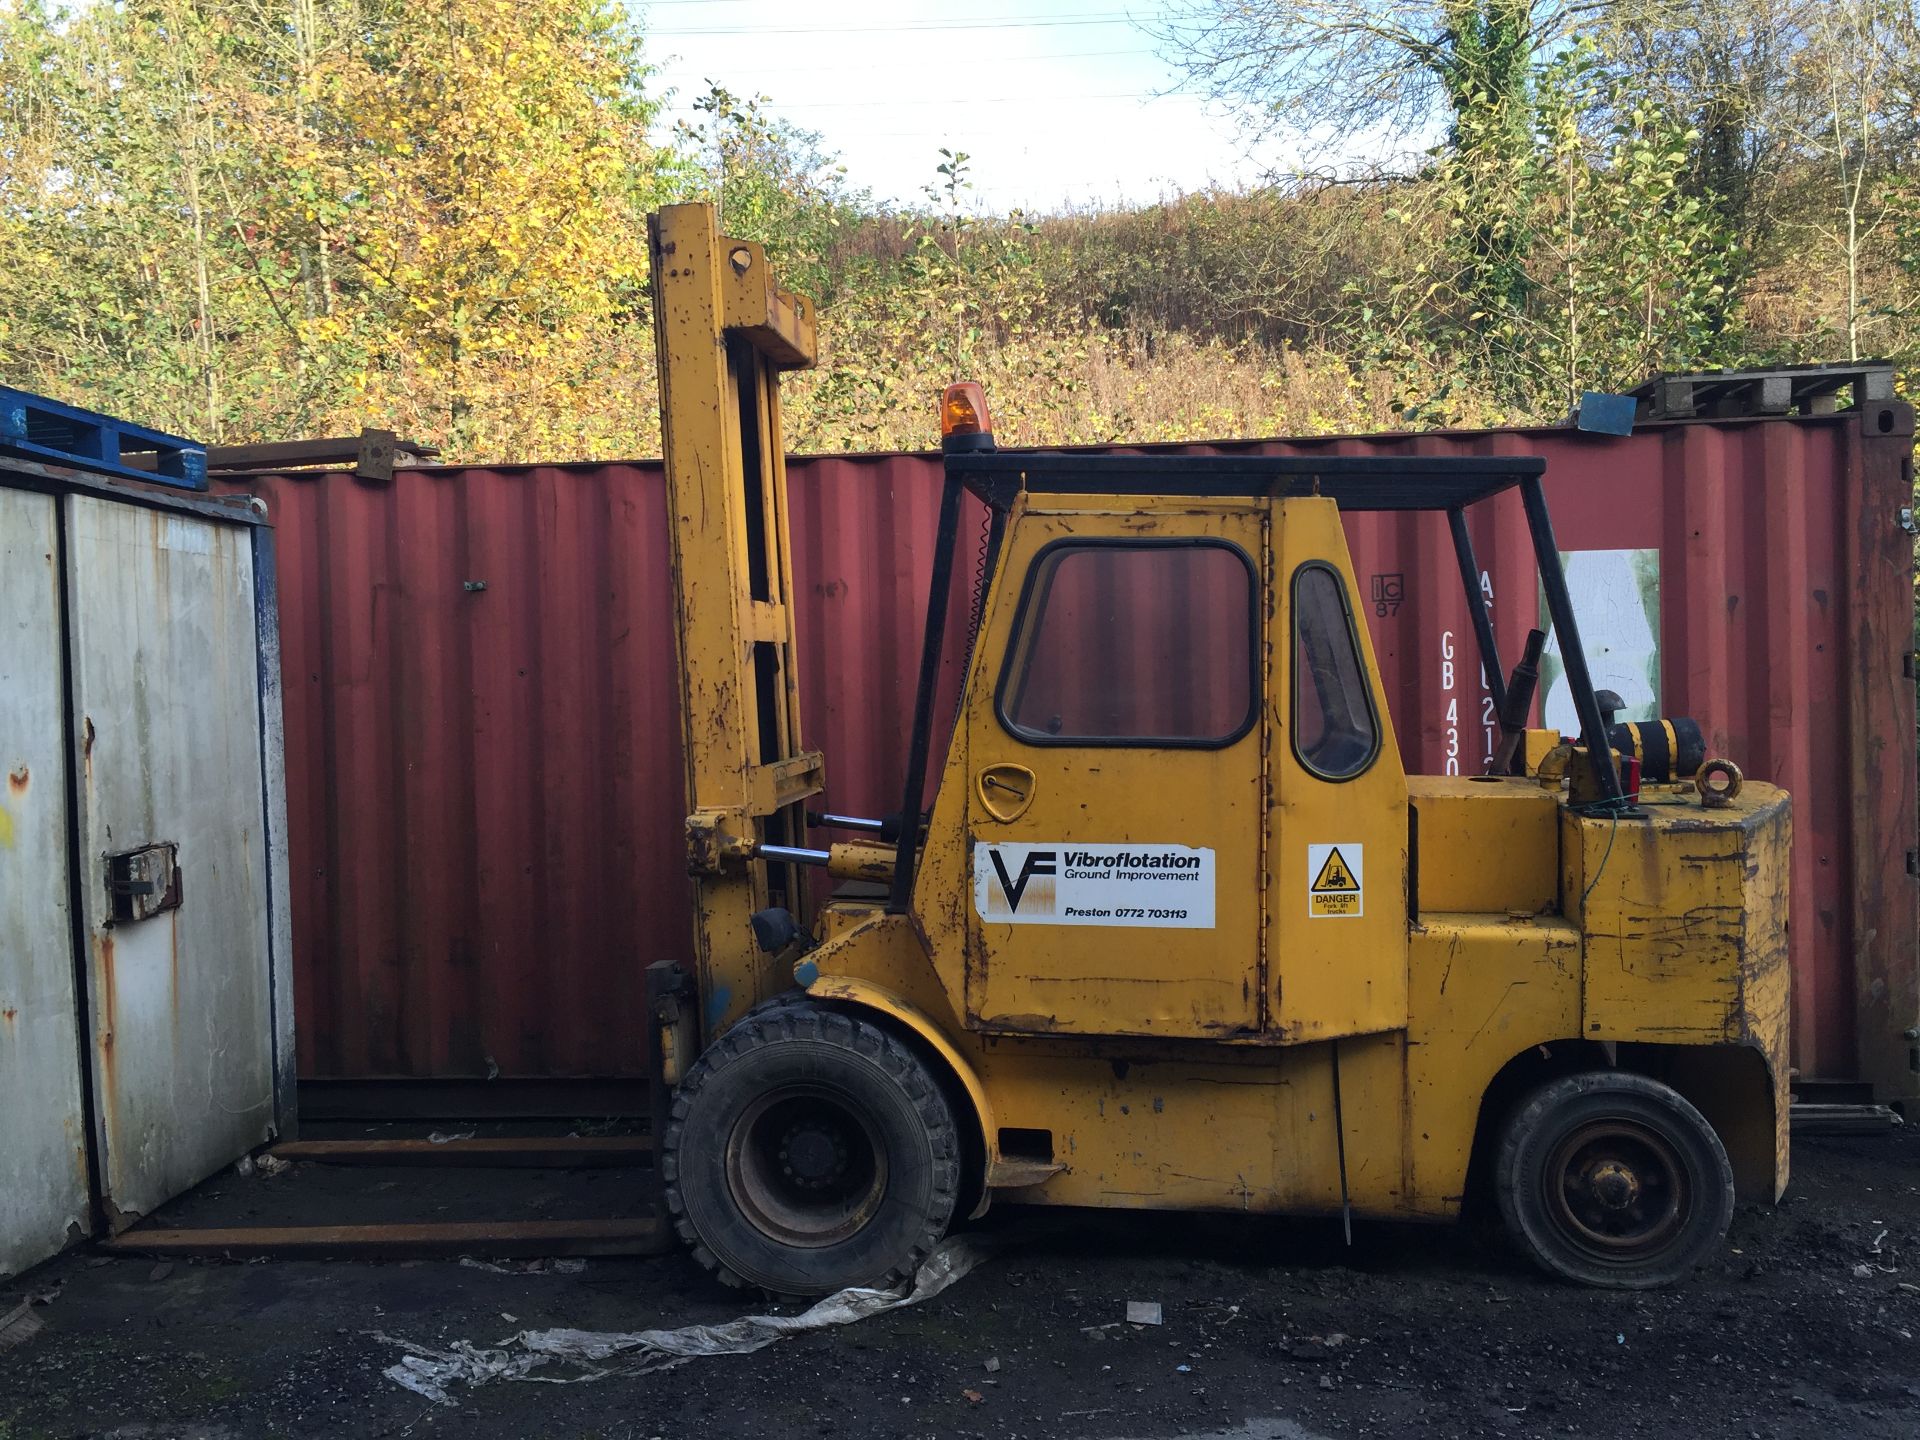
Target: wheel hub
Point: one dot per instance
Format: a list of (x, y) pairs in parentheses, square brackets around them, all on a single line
[(1614, 1184), (813, 1156), (1617, 1190), (805, 1166)]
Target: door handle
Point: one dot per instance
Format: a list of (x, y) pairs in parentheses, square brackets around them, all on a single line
[(1005, 790)]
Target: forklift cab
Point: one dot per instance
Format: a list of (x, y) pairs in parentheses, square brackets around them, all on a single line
[(1182, 682), (1173, 722)]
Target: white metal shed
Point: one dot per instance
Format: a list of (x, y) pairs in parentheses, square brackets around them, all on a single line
[(146, 1017)]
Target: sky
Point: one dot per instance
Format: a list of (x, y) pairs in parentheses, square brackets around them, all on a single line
[(1056, 102)]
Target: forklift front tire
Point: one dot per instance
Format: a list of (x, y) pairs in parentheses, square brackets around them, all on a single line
[(1614, 1180), (808, 1151)]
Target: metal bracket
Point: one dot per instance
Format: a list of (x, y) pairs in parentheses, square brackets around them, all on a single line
[(785, 782), (1903, 517), (780, 325), (672, 1003), (715, 837), (143, 883)]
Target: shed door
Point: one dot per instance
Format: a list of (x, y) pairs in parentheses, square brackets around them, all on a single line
[(43, 1149), (172, 840), (1114, 801)]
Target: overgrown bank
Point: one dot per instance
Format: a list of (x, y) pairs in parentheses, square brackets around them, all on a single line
[(254, 221)]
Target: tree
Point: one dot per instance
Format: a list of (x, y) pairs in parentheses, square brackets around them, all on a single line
[(1848, 78), (1381, 71), (1724, 67), (771, 182), (114, 259), (1614, 270), (1632, 267), (1333, 71), (244, 217), (485, 211)]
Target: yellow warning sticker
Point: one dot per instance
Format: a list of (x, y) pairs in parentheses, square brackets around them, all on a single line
[(1336, 881)]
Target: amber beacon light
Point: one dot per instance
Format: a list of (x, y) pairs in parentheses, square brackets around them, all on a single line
[(963, 418)]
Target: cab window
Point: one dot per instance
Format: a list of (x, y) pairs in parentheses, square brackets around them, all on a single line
[(1335, 732), (1133, 643)]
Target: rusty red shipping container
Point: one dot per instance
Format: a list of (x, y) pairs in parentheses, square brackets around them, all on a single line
[(483, 755)]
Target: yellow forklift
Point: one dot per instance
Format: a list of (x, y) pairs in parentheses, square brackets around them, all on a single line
[(1171, 928)]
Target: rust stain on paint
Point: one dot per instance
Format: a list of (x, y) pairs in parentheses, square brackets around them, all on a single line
[(103, 957), (109, 1094)]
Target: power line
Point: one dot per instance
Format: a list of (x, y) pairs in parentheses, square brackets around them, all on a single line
[(966, 134), (970, 100), (999, 61), (1004, 23), (659, 4)]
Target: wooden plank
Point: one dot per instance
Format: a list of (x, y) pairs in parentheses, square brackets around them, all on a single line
[(643, 1235), (532, 1151), (1843, 1119), (459, 1100), (331, 450), (338, 449)]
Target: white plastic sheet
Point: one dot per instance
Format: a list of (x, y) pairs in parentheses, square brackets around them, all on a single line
[(597, 1354)]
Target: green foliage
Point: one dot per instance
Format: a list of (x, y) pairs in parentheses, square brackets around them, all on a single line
[(287, 217), (238, 221), (1635, 263), (1579, 261), (771, 183)]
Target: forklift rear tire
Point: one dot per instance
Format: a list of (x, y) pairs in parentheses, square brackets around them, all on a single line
[(808, 1151), (1612, 1179)]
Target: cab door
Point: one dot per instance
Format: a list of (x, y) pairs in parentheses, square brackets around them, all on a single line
[(1115, 797), (1337, 894)]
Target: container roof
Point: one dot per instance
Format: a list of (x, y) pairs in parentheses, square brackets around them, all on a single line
[(1354, 482)]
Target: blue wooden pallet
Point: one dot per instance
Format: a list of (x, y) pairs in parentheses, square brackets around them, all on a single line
[(36, 428)]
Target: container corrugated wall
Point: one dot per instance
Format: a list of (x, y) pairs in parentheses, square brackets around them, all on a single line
[(483, 775), (484, 783)]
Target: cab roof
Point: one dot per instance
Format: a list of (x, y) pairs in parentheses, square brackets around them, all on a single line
[(1354, 482)]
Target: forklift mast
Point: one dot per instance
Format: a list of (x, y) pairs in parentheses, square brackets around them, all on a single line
[(724, 331)]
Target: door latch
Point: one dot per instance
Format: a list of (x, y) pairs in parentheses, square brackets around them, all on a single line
[(143, 883), (1006, 790), (1904, 518)]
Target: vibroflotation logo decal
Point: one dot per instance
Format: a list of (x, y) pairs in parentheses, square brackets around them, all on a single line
[(1070, 884), (1041, 865)]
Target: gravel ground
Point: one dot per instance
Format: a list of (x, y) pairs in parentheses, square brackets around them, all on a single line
[(1807, 1325)]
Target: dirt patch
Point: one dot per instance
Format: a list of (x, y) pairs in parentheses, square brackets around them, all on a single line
[(1271, 1331)]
